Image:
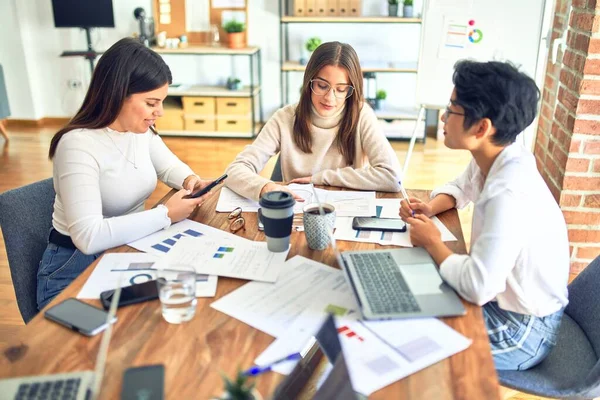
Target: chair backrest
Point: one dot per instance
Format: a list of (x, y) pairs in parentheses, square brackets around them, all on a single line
[(26, 219), (276, 175), (584, 302), (4, 107)]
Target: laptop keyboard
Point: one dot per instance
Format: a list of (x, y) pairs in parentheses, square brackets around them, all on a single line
[(54, 390), (383, 284)]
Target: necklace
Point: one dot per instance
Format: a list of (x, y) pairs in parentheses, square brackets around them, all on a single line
[(123, 154)]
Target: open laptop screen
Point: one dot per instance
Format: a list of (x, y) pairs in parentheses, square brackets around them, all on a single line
[(337, 384)]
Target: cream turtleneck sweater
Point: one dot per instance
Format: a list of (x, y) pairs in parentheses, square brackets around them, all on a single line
[(375, 167)]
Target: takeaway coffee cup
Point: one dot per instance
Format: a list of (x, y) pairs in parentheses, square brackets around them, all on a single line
[(276, 214)]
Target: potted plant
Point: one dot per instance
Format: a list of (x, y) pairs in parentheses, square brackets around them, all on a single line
[(407, 10), (380, 99), (393, 8), (310, 46), (234, 84), (235, 34), (239, 388)]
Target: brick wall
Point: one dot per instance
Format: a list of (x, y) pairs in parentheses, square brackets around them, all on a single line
[(567, 147)]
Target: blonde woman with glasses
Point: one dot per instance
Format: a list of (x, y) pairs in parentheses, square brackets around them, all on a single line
[(331, 137)]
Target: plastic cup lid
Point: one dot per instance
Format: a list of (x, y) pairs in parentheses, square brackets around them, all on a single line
[(277, 200)]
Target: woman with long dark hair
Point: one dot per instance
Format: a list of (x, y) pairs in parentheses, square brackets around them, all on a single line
[(106, 162), (331, 137)]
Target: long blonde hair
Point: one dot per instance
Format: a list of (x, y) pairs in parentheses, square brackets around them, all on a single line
[(338, 55)]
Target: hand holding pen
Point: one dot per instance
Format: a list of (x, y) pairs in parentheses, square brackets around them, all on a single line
[(407, 203), (409, 207)]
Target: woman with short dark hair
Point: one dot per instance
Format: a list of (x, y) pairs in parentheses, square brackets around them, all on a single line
[(518, 264)]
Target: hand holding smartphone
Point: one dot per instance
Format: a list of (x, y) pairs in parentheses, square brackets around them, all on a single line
[(207, 188)]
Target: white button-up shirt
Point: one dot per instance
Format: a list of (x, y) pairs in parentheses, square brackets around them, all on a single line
[(519, 246)]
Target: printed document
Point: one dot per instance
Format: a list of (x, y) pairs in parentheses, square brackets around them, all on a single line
[(346, 203), (134, 268), (385, 208), (234, 258), (161, 242), (273, 307), (377, 353)]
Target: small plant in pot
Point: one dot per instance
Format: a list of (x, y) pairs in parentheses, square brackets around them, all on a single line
[(235, 34), (393, 8), (407, 10), (380, 99), (234, 84), (310, 46), (239, 388)]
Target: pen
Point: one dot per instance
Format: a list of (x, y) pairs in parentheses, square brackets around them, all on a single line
[(257, 370), (405, 195)]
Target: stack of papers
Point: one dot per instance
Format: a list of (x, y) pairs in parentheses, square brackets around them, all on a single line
[(346, 203), (234, 258), (293, 309), (377, 353), (210, 251), (385, 208), (133, 268)]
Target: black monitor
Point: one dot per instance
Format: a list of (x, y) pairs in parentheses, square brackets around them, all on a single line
[(83, 13)]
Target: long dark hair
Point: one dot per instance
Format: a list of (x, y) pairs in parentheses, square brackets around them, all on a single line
[(127, 67), (339, 55)]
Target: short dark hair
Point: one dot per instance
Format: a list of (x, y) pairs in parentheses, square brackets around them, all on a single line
[(498, 91)]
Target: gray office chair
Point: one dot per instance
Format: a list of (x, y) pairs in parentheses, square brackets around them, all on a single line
[(572, 369), (4, 108), (26, 219), (276, 175)]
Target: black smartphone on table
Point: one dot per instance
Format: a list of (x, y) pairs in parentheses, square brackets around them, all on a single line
[(379, 224), (79, 316), (207, 188), (133, 294), (145, 382)]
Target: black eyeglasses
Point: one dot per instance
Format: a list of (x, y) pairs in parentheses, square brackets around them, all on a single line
[(449, 111), (322, 88)]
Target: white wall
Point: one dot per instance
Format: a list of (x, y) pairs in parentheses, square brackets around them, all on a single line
[(12, 58), (37, 77)]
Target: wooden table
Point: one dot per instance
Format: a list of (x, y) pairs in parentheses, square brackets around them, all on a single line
[(196, 352)]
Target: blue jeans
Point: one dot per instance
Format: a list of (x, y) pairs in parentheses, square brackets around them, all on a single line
[(58, 268), (519, 341)]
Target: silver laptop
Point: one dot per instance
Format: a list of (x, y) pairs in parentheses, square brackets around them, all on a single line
[(397, 283), (73, 385)]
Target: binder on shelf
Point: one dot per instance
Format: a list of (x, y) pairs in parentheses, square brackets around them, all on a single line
[(344, 8), (355, 8), (332, 8), (299, 8), (310, 9), (321, 6)]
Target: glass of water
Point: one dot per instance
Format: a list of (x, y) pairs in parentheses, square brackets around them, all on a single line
[(177, 292)]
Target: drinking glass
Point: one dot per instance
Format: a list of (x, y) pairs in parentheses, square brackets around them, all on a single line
[(177, 292)]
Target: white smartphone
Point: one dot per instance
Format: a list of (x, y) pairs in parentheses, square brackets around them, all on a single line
[(79, 316), (378, 224)]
